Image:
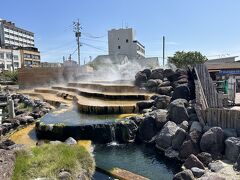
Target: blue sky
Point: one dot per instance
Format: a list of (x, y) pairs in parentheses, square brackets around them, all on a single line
[(209, 26)]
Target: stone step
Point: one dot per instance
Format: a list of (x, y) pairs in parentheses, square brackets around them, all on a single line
[(105, 95), (107, 87), (93, 105)]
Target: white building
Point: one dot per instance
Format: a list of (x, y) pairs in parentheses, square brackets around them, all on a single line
[(122, 42), (13, 36), (6, 59)]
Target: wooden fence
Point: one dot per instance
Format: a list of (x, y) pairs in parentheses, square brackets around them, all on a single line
[(209, 106), (225, 118)]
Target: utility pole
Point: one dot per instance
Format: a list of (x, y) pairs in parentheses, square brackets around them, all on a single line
[(163, 51), (76, 29)]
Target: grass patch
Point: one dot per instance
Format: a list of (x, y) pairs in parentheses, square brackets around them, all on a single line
[(47, 161)]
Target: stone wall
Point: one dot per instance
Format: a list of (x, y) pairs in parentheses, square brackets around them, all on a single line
[(38, 76)]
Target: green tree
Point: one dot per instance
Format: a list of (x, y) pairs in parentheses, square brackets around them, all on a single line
[(183, 59)]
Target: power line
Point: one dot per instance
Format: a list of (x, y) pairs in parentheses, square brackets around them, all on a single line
[(89, 45), (91, 36)]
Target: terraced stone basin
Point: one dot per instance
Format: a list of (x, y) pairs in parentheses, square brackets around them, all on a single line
[(98, 128)]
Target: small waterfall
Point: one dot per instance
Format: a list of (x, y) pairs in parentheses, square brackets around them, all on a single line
[(113, 136)]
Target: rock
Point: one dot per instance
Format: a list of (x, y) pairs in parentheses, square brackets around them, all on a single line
[(193, 161), (160, 117), (40, 143), (171, 153), (162, 101), (147, 72), (184, 175), (232, 148), (181, 92), (196, 126), (165, 136), (212, 141), (212, 177), (193, 117), (228, 132), (206, 128), (6, 144), (64, 175), (168, 72), (187, 148), (25, 119), (178, 139), (7, 162), (153, 83), (197, 172), (137, 119), (184, 125), (191, 110), (166, 90), (205, 158), (177, 111), (125, 131), (147, 129), (157, 74), (215, 166), (195, 136), (70, 141), (55, 142), (144, 104), (164, 84), (140, 78), (236, 166)]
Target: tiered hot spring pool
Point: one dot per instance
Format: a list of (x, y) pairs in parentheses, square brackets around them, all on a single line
[(99, 115)]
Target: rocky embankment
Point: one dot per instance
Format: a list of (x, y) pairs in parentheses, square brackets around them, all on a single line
[(26, 110), (170, 123)]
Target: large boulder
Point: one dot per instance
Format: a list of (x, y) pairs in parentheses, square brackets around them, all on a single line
[(168, 72), (164, 90), (184, 125), (145, 104), (160, 116), (178, 138), (193, 161), (147, 129), (125, 131), (184, 175), (147, 72), (157, 74), (196, 126), (152, 84), (188, 147), (165, 136), (162, 101), (205, 158), (212, 141), (177, 111), (232, 148), (181, 92), (140, 78)]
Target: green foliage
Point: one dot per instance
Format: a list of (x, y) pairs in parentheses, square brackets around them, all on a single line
[(47, 161), (183, 59), (10, 75)]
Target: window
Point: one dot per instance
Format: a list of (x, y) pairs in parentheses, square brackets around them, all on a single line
[(16, 64), (118, 38), (15, 57), (126, 40), (1, 55), (119, 47), (9, 56)]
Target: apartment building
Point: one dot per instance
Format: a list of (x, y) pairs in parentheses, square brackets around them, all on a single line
[(9, 57), (13, 36), (30, 57), (123, 42)]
